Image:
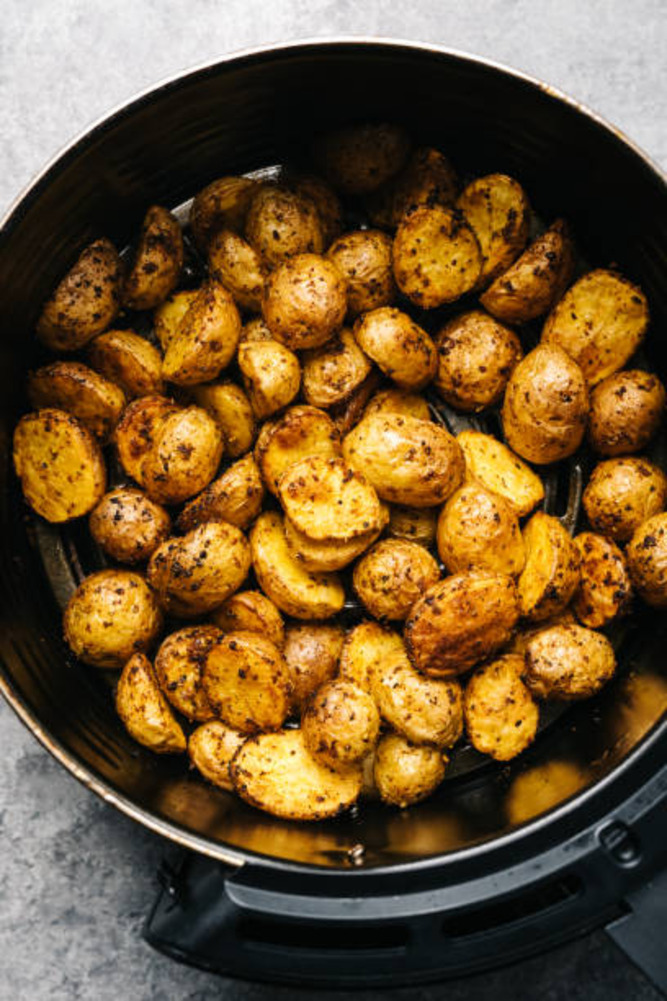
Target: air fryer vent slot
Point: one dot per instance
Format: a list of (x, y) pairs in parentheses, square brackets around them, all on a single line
[(517, 909)]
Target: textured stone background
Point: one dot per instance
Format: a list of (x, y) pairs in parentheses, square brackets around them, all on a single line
[(76, 878)]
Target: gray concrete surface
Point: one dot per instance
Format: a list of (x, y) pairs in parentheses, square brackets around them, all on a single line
[(76, 877)]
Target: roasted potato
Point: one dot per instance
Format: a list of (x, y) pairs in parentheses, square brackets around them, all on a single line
[(428, 178), (136, 432), (437, 258), (178, 669), (326, 499), (271, 375), (157, 261), (398, 401), (332, 372), (255, 330), (211, 748), (357, 159), (416, 524), (367, 647), (330, 554), (206, 338), (312, 651), (71, 386), (568, 662), (251, 612), (501, 715), (59, 464), (398, 346), (363, 257), (128, 525), (326, 202), (551, 572), (305, 301), (184, 458), (425, 710), (237, 266), (144, 710), (85, 301), (647, 560), (546, 406), (236, 496), (496, 209), (626, 410), (168, 317), (301, 432), (281, 223), (535, 282), (247, 683), (604, 589), (479, 530), (460, 621), (129, 360), (392, 576), (230, 408), (405, 773), (340, 724), (499, 470), (622, 493), (527, 630), (348, 412), (193, 574), (476, 356), (223, 204), (111, 615)]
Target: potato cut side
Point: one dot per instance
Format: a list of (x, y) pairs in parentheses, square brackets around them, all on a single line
[(604, 589), (178, 667), (211, 748), (551, 573), (331, 554), (129, 360), (326, 499), (497, 468), (71, 386), (301, 432), (247, 683), (144, 710), (496, 209), (366, 649), (425, 710), (206, 338)]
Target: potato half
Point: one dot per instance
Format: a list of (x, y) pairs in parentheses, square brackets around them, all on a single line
[(330, 554), (129, 360), (476, 356), (496, 209), (392, 576), (206, 338), (281, 223), (178, 669), (157, 262), (604, 589), (312, 651), (300, 432), (647, 560), (425, 710), (568, 662), (478, 530), (357, 159), (144, 710), (238, 266), (230, 408), (236, 496), (211, 748), (305, 301), (184, 457), (167, 317), (551, 574), (222, 204), (404, 773), (428, 178), (622, 493), (326, 499), (437, 258), (497, 468), (71, 386), (398, 401), (128, 525), (340, 724), (136, 432), (501, 715), (246, 681), (626, 410), (398, 346), (367, 647), (251, 612), (413, 523), (363, 257), (271, 375), (332, 372)]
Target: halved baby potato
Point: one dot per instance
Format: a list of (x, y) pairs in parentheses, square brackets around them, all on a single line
[(334, 371), (551, 573), (168, 317), (157, 261), (501, 715), (136, 431), (281, 223), (428, 178), (622, 493), (496, 209), (398, 346), (349, 411), (416, 524), (479, 530), (144, 710), (326, 499), (222, 204), (129, 360), (211, 748), (235, 496), (340, 724), (326, 202), (357, 159), (71, 386), (206, 338), (230, 408), (178, 669), (568, 662), (247, 683), (497, 468), (366, 648), (312, 651), (251, 612), (604, 590), (128, 525), (238, 266), (476, 356), (392, 576), (425, 710), (437, 258), (363, 257), (271, 375), (647, 560), (398, 401), (184, 457), (405, 773), (329, 554), (302, 431)]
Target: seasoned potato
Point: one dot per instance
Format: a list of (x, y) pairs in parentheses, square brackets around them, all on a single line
[(230, 408), (405, 773), (501, 715), (332, 372), (398, 401), (525, 632), (437, 258), (428, 178), (223, 204), (251, 612), (330, 554), (271, 375), (478, 530), (366, 649), (299, 433), (460, 621), (211, 748), (357, 159), (184, 458), (247, 682), (281, 223), (425, 710), (293, 589), (255, 330), (545, 406), (497, 210), (178, 669), (144, 710), (135, 433), (622, 493), (85, 301), (626, 410), (600, 321), (111, 615), (647, 560), (168, 317), (407, 460), (398, 346), (326, 499), (71, 386), (536, 281), (206, 338), (312, 651), (236, 496), (363, 257), (275, 772), (128, 525), (476, 356), (59, 464), (326, 202), (237, 266), (195, 573), (604, 584), (568, 662), (157, 262), (340, 725), (129, 360), (497, 468), (349, 411), (304, 301), (551, 573), (413, 523), (392, 576)]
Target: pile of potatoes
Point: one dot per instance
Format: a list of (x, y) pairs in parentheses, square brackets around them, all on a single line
[(279, 458)]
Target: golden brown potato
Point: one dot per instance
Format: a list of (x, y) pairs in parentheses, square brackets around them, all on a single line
[(230, 408), (129, 360), (363, 257), (294, 590), (600, 321), (275, 772), (478, 530), (59, 464), (157, 262), (330, 554), (546, 406), (71, 386), (551, 573), (476, 356), (568, 662), (135, 433), (167, 317), (626, 410), (281, 223), (366, 648), (460, 621), (497, 468), (501, 715), (496, 209), (211, 748), (425, 710), (398, 346), (326, 499), (332, 373), (398, 401), (247, 682), (535, 282), (301, 432), (407, 460), (223, 204), (111, 615), (251, 612), (85, 301), (271, 375), (206, 338), (392, 576), (340, 725), (312, 651), (413, 523), (128, 525), (236, 496), (428, 178), (178, 669), (193, 574), (184, 458), (348, 412), (237, 266), (647, 560), (144, 710), (622, 493), (255, 330), (437, 258), (304, 301), (357, 159), (525, 632), (604, 584), (326, 202), (405, 773)]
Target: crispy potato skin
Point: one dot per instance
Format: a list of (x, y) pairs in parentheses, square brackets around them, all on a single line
[(128, 525), (604, 590), (59, 464), (223, 204), (71, 386), (184, 458), (568, 662), (129, 360), (622, 493), (238, 266), (358, 159), (499, 470), (167, 317), (178, 669), (326, 202), (330, 554), (302, 431), (85, 301), (496, 209), (111, 615), (546, 406), (600, 321), (211, 748), (305, 301), (626, 410), (206, 338), (398, 401), (437, 258), (251, 612), (647, 560), (392, 576), (476, 356), (398, 346), (405, 773), (478, 530), (157, 263), (144, 710), (428, 178), (334, 371), (271, 375), (460, 621), (340, 724), (136, 431), (501, 715), (312, 651), (413, 523), (363, 257), (367, 647), (246, 681), (281, 223), (326, 499), (230, 408), (551, 574), (424, 710), (236, 496)]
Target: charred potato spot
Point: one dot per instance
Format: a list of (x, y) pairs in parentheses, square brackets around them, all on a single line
[(604, 585), (398, 346), (340, 725), (476, 357), (392, 576), (647, 560), (478, 530), (568, 662), (178, 669), (271, 375), (223, 204), (626, 410), (211, 748), (144, 710), (428, 178), (622, 493), (128, 525), (358, 159), (301, 432), (366, 649), (238, 266), (129, 360), (326, 499), (424, 710), (205, 339), (236, 497), (496, 209), (71, 386), (251, 612), (334, 371), (305, 301), (157, 263), (501, 716), (551, 573), (246, 681), (230, 408), (363, 258), (405, 773), (312, 651), (281, 223), (499, 470)]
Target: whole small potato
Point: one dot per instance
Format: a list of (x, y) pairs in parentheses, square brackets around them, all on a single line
[(367, 647), (501, 715), (251, 612), (363, 257), (230, 408), (325, 499), (236, 496), (223, 204), (247, 683), (398, 401), (392, 576), (136, 432), (340, 725), (71, 386), (157, 262), (476, 356), (497, 210), (300, 432), (271, 375), (413, 523), (326, 202), (568, 662), (206, 338), (281, 223), (129, 360), (398, 346), (405, 773), (626, 410), (184, 458), (304, 301), (497, 468), (604, 590), (238, 266), (425, 710), (128, 525), (178, 669), (111, 615), (329, 554), (622, 493), (478, 530), (211, 748), (167, 318), (428, 178), (312, 651), (551, 573), (647, 560), (144, 710), (357, 159), (332, 372)]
